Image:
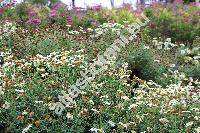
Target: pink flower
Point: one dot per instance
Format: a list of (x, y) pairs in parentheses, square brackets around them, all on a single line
[(187, 19), (94, 23), (1, 11), (79, 15), (95, 8), (56, 5), (35, 20), (178, 1), (9, 4), (126, 6), (138, 12), (53, 13), (70, 20), (78, 9), (31, 13)]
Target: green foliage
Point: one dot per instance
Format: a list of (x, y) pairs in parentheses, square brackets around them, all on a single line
[(10, 13), (192, 71), (141, 62), (22, 11), (121, 15), (173, 21), (38, 1)]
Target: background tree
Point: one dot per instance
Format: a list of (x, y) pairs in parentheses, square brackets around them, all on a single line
[(112, 3), (73, 3), (52, 2), (142, 2), (39, 2), (44, 2)]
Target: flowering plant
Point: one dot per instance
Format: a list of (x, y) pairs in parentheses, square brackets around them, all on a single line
[(178, 21)]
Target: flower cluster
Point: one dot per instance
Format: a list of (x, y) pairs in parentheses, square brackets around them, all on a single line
[(7, 29)]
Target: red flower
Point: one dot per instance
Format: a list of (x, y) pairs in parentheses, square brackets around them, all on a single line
[(1, 11)]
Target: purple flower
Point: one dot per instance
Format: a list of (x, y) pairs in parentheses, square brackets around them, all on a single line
[(126, 6), (34, 20), (178, 1), (194, 22), (70, 20), (78, 8), (94, 23), (187, 19), (95, 8), (56, 5), (31, 13), (53, 13), (194, 3), (79, 16)]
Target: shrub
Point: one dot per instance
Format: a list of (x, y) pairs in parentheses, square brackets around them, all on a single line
[(22, 11), (121, 15), (192, 71), (177, 21), (142, 65)]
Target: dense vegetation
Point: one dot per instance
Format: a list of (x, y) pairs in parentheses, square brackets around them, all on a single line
[(152, 86)]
